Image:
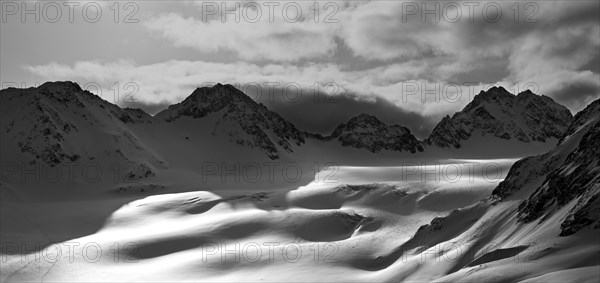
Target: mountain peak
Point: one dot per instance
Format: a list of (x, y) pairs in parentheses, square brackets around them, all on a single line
[(493, 94), (239, 118), (495, 91), (223, 90), (48, 123), (206, 100), (368, 132), (526, 117), (61, 85), (67, 91), (527, 92), (364, 118)]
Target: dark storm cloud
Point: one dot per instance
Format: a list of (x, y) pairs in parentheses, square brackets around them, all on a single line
[(577, 94), (322, 113), (485, 70)]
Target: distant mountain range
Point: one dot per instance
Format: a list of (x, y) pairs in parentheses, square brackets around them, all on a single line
[(58, 121)]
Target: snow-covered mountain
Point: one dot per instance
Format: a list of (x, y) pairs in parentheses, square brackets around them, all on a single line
[(526, 117), (567, 176), (538, 225), (239, 118), (58, 122), (367, 132)]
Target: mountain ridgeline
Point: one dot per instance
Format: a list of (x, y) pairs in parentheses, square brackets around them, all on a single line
[(59, 121), (367, 132), (240, 119), (525, 117)]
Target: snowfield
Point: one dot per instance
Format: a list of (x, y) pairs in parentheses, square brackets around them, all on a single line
[(367, 226)]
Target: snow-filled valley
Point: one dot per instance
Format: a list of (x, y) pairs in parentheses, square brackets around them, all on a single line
[(364, 224), (327, 229), (119, 195)]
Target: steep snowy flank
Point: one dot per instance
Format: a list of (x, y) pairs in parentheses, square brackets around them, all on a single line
[(59, 122), (367, 132), (240, 119), (526, 117), (567, 175)]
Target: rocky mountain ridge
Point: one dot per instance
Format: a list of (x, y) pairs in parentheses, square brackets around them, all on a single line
[(240, 118), (365, 131), (58, 122), (568, 175), (526, 117)]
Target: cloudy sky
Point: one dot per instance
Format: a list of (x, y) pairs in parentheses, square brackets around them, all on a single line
[(316, 63)]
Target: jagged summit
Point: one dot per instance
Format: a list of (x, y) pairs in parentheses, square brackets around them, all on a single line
[(527, 92), (495, 93), (61, 85), (525, 117), (56, 85), (219, 93), (61, 90), (368, 132), (239, 118), (59, 122), (205, 100)]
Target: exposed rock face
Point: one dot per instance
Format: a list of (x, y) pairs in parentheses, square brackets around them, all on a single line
[(577, 179), (526, 117), (240, 118), (59, 122), (367, 132), (567, 175)]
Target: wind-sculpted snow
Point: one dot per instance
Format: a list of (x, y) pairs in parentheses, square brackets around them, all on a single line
[(525, 117), (386, 231), (317, 232)]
